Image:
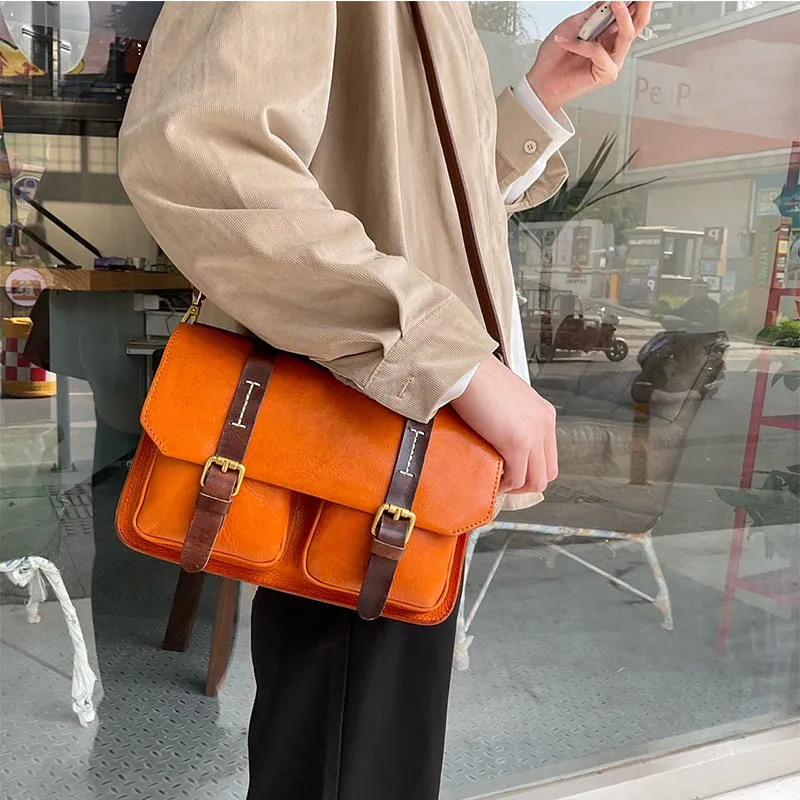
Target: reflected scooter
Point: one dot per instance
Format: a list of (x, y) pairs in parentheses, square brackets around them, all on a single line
[(684, 356), (689, 353)]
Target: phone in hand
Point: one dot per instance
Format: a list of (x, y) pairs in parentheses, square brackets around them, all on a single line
[(599, 21)]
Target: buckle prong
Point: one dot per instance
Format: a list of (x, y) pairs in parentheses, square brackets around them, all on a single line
[(225, 464), (397, 513)]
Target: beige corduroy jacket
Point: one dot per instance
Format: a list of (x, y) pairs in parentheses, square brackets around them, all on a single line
[(285, 157)]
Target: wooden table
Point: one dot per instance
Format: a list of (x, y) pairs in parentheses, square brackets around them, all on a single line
[(91, 280)]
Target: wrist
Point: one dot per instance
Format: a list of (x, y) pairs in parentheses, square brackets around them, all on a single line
[(483, 382), (547, 98)]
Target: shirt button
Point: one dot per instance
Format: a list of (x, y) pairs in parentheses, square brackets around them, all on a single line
[(530, 147)]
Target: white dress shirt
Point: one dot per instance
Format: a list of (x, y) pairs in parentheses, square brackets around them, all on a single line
[(560, 129)]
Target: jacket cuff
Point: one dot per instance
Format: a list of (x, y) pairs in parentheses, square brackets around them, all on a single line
[(551, 180), (557, 126), (521, 142), (428, 360)]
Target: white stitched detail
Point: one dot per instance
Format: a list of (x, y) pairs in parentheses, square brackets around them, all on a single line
[(238, 423), (407, 471)]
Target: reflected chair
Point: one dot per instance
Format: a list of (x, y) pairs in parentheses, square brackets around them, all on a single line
[(189, 588), (181, 622), (617, 460)]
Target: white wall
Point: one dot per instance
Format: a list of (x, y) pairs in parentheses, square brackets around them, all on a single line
[(115, 230), (697, 206)]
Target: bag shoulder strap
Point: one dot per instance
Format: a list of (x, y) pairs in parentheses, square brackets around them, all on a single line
[(458, 184)]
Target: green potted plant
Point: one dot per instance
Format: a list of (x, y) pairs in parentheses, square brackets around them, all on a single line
[(574, 199)]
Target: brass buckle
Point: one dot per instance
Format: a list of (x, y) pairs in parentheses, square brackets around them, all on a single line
[(397, 513), (225, 464), (193, 312)]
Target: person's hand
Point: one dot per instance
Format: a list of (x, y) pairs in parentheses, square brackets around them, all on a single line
[(518, 422), (567, 68)]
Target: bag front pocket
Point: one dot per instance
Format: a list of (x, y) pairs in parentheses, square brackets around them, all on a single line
[(338, 552), (255, 529)]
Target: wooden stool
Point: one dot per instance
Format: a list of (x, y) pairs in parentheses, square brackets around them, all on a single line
[(184, 613)]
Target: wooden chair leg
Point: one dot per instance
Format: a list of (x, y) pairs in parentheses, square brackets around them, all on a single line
[(184, 611), (222, 635)]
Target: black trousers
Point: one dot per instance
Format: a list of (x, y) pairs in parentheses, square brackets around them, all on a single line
[(346, 709)]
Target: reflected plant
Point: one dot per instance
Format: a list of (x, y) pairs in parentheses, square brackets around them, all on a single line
[(788, 372), (508, 19), (576, 198), (668, 302), (776, 502), (786, 334), (733, 313)]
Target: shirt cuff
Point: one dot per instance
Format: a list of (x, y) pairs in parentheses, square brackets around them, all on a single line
[(457, 389), (558, 128)]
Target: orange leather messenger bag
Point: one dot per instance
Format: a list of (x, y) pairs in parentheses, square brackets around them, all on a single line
[(260, 466)]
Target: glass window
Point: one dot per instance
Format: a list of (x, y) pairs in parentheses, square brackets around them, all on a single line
[(650, 603), (647, 605)]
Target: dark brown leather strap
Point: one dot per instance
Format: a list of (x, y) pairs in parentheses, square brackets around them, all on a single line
[(395, 520), (224, 471), (474, 258)]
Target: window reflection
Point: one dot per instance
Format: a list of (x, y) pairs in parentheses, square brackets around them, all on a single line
[(668, 237)]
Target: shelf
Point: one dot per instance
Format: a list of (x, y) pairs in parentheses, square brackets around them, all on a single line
[(146, 346), (65, 117), (91, 280)]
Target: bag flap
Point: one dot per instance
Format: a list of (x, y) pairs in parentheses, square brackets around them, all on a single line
[(313, 434)]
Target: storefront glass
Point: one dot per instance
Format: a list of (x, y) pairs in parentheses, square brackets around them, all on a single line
[(648, 605)]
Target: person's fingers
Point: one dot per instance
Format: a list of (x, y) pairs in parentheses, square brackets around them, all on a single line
[(515, 471), (606, 69), (641, 13), (536, 480), (625, 33), (551, 458)]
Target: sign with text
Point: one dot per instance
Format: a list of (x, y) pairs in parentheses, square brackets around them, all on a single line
[(729, 93), (23, 286)]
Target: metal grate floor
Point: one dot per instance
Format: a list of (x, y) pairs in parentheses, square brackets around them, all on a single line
[(566, 671)]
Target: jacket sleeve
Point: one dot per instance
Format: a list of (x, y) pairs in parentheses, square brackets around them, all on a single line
[(223, 121), (521, 142)]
